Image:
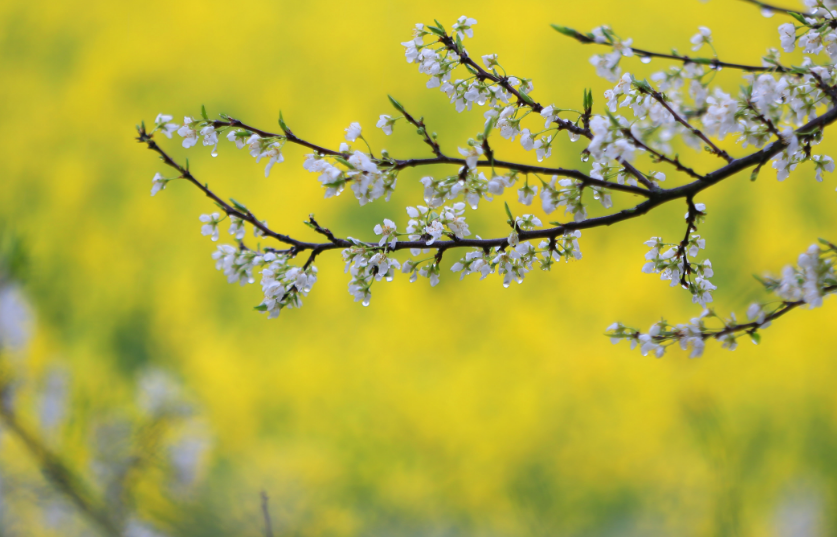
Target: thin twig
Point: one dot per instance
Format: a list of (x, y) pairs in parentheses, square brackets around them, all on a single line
[(60, 475), (268, 527), (753, 326), (777, 9), (662, 158), (697, 132)]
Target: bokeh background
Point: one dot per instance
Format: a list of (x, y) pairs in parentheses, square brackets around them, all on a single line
[(464, 409)]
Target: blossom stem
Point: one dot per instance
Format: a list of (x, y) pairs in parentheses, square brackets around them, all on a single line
[(482, 74), (753, 326), (777, 8), (697, 132)]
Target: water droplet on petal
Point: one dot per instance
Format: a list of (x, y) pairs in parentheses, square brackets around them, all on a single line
[(645, 59), (366, 302), (767, 12), (585, 157), (214, 153), (506, 285)]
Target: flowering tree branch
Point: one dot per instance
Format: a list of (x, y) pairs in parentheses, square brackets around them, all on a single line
[(781, 118)]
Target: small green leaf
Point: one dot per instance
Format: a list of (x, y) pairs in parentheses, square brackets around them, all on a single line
[(282, 124), (260, 307), (439, 25), (755, 337), (488, 126), (526, 98), (203, 113), (799, 18), (564, 30), (239, 206), (397, 105), (509, 213), (436, 31), (344, 162)]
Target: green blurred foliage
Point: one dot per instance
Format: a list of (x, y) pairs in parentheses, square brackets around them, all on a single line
[(461, 409)]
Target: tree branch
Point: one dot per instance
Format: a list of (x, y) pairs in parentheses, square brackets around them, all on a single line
[(655, 199)]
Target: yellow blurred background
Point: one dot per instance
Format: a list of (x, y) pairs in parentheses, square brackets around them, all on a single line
[(464, 409)]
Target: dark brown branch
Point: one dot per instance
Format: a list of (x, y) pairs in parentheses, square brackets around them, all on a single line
[(691, 218), (650, 185), (660, 157), (694, 130), (714, 63), (777, 9), (409, 163), (522, 100), (753, 326), (655, 199), (422, 129)]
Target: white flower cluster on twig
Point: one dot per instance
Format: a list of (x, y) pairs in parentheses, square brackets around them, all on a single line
[(779, 115)]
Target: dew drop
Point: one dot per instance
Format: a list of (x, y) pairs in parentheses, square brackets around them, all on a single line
[(389, 278), (214, 153), (767, 12), (506, 285), (366, 302), (585, 157), (645, 59)]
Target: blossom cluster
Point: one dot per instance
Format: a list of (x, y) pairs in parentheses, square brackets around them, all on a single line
[(671, 262), (640, 120), (806, 284)]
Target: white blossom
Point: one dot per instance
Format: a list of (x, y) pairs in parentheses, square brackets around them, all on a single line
[(159, 182), (353, 132), (463, 26), (210, 225), (703, 36)]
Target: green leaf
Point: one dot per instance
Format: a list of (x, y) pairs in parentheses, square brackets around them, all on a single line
[(509, 213), (203, 113), (436, 31), (641, 84), (344, 162), (755, 337), (489, 125), (260, 307), (397, 105), (282, 124), (564, 30), (239, 206), (799, 18), (526, 98), (439, 25)]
